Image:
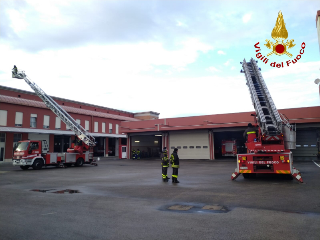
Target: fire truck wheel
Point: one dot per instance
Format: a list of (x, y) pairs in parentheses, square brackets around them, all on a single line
[(37, 164), (24, 167), (79, 162)]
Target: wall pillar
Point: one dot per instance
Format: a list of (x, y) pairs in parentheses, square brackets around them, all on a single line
[(107, 146), (9, 146), (51, 143), (24, 136), (211, 145)]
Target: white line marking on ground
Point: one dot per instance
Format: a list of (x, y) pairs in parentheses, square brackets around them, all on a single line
[(316, 163), (49, 213)]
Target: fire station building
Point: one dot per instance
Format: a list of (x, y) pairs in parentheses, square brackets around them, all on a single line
[(24, 116), (216, 136)]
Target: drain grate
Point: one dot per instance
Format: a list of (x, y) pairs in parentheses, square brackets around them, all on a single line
[(180, 207), (195, 208), (67, 191), (39, 190), (59, 192)]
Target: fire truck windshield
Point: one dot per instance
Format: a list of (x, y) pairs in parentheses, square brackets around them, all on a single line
[(22, 146)]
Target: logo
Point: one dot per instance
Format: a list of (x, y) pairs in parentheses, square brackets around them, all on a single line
[(280, 47), (279, 33)]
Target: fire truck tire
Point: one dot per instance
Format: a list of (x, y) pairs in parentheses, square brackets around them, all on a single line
[(24, 167), (37, 164), (79, 162)]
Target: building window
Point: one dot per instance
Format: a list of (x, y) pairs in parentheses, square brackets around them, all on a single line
[(2, 137), (19, 117), (86, 123), (3, 117), (96, 127), (33, 120), (179, 147), (191, 146), (117, 128), (58, 123), (198, 146), (16, 138), (103, 127), (205, 147), (110, 127), (172, 147), (184, 147), (46, 120)]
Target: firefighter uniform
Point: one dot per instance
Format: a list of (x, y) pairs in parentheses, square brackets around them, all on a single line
[(138, 154), (250, 133), (174, 159), (134, 155), (165, 165)]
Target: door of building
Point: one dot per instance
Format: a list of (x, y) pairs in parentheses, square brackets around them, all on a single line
[(2, 145)]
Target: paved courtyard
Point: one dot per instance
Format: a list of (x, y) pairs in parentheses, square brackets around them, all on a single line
[(126, 199)]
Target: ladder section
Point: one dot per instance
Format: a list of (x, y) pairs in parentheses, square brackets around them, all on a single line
[(82, 134), (268, 116)]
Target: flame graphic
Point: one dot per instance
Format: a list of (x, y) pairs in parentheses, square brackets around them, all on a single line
[(279, 31)]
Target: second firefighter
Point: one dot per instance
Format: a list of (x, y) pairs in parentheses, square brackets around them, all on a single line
[(164, 164), (174, 159)]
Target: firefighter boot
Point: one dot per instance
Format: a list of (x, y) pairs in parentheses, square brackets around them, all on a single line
[(173, 179), (168, 178), (176, 181)]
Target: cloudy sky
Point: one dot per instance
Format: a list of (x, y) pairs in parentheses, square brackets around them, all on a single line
[(177, 58)]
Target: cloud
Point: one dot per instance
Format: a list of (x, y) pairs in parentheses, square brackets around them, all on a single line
[(246, 18), (227, 63), (220, 52), (212, 69)]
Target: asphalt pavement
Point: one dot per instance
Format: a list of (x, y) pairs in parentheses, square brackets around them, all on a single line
[(126, 199)]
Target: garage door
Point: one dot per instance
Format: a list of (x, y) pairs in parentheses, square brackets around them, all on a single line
[(35, 136), (191, 144), (306, 143)]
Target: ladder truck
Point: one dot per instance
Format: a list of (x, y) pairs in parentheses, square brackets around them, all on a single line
[(33, 153), (269, 150)]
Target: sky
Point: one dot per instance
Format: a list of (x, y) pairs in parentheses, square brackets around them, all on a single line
[(177, 58)]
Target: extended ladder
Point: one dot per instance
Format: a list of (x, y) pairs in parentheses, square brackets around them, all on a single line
[(268, 117), (82, 134)]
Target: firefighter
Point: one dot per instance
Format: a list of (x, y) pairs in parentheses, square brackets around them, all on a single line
[(134, 155), (138, 154), (250, 133), (174, 159), (15, 70), (165, 164)]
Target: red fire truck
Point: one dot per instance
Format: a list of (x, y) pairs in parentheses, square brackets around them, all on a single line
[(229, 148), (34, 153), (269, 150)]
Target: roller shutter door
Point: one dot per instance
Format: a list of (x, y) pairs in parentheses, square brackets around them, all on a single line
[(306, 144), (39, 137), (191, 144)]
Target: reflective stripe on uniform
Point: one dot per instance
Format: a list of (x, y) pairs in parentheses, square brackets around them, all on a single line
[(250, 132), (175, 166)]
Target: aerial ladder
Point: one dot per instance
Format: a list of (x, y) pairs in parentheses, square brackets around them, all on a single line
[(85, 141), (270, 151)]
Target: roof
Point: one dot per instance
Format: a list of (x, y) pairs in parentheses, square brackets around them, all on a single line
[(38, 104), (55, 132), (295, 115), (62, 99)]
